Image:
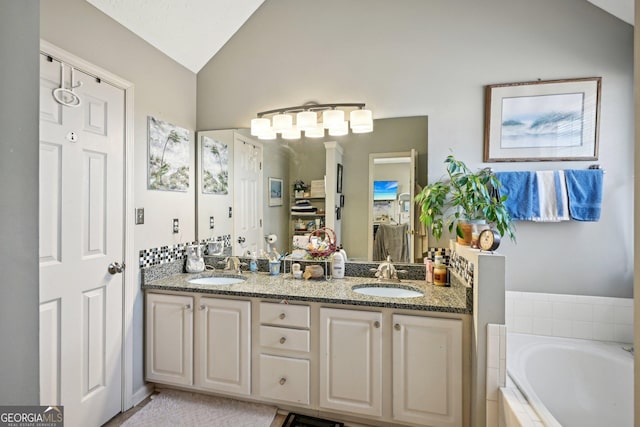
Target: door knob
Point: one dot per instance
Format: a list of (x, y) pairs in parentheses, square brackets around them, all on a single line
[(115, 267), (241, 240)]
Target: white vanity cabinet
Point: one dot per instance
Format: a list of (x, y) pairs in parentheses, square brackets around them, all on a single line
[(223, 345), (387, 365), (220, 347), (169, 338), (351, 361), (284, 352), (427, 370)]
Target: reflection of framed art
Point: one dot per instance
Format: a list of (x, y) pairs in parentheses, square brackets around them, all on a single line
[(542, 120), (275, 192), (214, 156), (339, 179)]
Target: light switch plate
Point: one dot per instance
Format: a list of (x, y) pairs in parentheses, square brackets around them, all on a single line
[(176, 225), (211, 223), (139, 216)]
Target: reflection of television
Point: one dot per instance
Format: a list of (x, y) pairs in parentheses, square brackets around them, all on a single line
[(385, 190)]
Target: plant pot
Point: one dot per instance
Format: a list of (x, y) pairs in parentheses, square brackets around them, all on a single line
[(466, 227)]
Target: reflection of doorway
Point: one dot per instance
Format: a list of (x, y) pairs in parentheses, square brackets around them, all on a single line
[(391, 189), (247, 196)]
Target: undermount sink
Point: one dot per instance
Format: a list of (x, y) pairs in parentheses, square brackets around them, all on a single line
[(387, 290), (217, 280)]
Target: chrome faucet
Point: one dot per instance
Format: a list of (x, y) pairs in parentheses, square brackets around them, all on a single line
[(386, 271), (232, 263)]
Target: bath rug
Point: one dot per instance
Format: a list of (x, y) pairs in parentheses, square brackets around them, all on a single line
[(298, 420), (180, 408)]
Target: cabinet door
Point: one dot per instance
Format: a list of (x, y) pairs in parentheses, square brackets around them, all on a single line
[(169, 338), (350, 361), (223, 345), (284, 378), (427, 370)]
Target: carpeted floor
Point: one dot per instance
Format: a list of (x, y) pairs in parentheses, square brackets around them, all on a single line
[(180, 408)]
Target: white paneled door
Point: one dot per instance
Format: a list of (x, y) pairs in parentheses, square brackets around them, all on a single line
[(247, 195), (81, 240)]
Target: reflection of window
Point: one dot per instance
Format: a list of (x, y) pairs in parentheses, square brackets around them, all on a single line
[(385, 190)]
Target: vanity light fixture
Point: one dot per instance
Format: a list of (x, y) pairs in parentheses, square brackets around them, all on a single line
[(306, 120)]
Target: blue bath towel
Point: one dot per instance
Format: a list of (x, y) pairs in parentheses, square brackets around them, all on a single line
[(522, 196), (584, 188)]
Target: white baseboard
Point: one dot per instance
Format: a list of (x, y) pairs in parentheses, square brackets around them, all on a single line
[(142, 393)]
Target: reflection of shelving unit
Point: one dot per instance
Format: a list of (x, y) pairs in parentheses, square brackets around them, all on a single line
[(307, 217)]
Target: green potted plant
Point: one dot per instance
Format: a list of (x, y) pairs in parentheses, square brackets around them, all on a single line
[(463, 197)]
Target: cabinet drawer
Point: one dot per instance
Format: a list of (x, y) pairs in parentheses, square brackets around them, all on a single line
[(296, 316), (284, 338), (284, 378)]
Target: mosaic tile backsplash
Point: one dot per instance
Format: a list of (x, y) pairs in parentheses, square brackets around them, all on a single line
[(169, 254)]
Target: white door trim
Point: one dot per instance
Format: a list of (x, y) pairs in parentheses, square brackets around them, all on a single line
[(131, 261)]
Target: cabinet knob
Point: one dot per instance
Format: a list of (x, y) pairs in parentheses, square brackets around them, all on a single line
[(283, 380), (396, 326), (282, 340), (376, 324), (282, 316), (202, 307), (187, 307)]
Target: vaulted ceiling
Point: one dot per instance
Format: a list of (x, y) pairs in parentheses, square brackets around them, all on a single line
[(192, 31)]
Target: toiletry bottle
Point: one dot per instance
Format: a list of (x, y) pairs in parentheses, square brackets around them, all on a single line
[(344, 253), (429, 267), (253, 263), (440, 275), (338, 265)]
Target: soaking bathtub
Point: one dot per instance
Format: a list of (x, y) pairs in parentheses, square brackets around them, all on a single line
[(571, 382)]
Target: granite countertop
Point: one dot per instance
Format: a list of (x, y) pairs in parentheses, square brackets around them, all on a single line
[(456, 298)]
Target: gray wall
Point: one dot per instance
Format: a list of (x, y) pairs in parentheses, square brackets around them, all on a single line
[(163, 89), (19, 44), (416, 57)]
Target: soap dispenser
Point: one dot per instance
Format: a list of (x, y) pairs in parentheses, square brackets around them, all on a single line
[(253, 263), (338, 265)]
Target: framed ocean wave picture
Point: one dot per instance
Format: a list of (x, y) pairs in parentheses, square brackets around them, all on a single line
[(542, 120)]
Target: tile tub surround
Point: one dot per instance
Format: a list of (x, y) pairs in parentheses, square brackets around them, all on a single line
[(496, 370), (514, 409), (453, 299), (570, 316)]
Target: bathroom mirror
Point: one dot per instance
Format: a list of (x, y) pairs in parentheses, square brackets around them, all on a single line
[(391, 211), (304, 159)]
